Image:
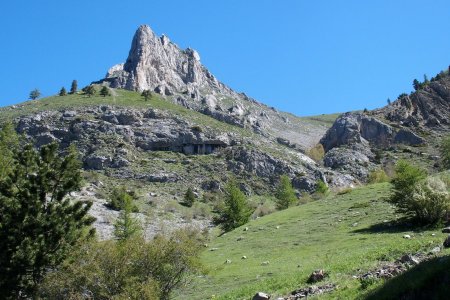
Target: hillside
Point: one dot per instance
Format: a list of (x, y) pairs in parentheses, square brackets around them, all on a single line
[(347, 235), (159, 149)]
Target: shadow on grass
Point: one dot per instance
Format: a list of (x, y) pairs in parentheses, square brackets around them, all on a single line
[(401, 225), (428, 280)]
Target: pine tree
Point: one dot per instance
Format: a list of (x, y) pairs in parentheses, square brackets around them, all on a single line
[(126, 225), (235, 211), (34, 94), (189, 197), (388, 101), (147, 94), (9, 142), (416, 84), (63, 91), (89, 90), (425, 79), (105, 91), (74, 87), (285, 193), (39, 224)]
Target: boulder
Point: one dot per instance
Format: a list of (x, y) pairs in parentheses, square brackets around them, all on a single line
[(447, 242), (316, 276), (261, 296)]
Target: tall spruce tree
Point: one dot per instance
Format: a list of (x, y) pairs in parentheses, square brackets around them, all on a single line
[(39, 225), (74, 87)]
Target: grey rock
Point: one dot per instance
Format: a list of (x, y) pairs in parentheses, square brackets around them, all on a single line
[(447, 242), (97, 162), (261, 296)]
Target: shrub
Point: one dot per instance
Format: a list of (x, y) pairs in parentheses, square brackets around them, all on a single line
[(119, 197), (189, 197), (235, 210), (317, 152), (377, 176), (321, 187), (132, 269), (285, 194), (430, 200), (406, 179)]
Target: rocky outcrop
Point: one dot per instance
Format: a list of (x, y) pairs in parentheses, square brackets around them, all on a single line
[(352, 128), (428, 107), (114, 139), (349, 141)]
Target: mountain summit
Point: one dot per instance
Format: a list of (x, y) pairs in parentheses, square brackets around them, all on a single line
[(155, 63)]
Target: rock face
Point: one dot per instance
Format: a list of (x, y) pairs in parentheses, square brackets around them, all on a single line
[(117, 140), (349, 143), (352, 128)]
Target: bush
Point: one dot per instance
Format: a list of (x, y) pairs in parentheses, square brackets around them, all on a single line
[(378, 176), (285, 194), (119, 197), (317, 152), (132, 269), (321, 187), (189, 197), (430, 200), (235, 210), (406, 179)]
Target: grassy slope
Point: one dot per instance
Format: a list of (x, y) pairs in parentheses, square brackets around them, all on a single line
[(340, 234)]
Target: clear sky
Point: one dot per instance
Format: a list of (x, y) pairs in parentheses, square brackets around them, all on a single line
[(306, 57)]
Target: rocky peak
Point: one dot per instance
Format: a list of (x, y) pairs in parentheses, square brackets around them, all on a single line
[(155, 63)]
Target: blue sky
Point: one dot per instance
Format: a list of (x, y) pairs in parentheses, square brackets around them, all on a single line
[(306, 57)]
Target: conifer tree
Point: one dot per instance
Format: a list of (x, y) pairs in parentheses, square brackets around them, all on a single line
[(235, 211), (9, 142), (189, 197), (126, 225), (89, 90), (105, 91), (63, 91), (39, 224), (285, 193), (34, 94), (74, 87), (147, 94), (416, 84)]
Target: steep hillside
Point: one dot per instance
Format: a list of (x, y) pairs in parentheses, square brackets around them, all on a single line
[(160, 149), (347, 235)]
